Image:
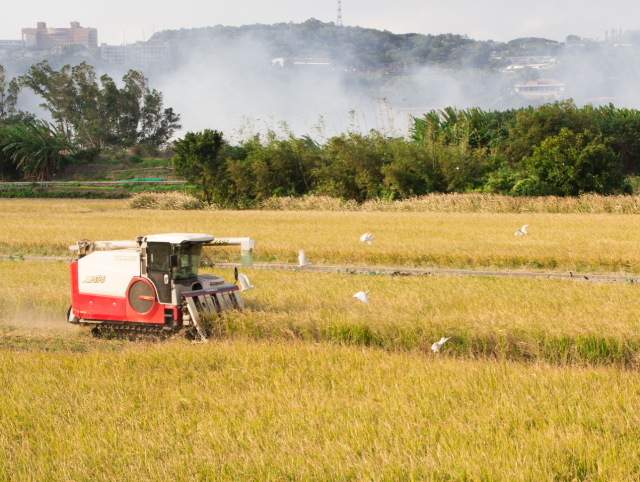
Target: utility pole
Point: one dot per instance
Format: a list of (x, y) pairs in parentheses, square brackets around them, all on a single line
[(339, 21)]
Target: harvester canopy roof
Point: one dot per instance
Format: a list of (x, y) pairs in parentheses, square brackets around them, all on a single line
[(179, 238)]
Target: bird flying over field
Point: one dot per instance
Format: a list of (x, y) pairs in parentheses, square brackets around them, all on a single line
[(362, 297), (302, 259), (244, 283), (523, 231), (367, 238), (437, 346)]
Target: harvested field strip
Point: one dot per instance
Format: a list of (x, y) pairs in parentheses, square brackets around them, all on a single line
[(237, 410), (529, 320)]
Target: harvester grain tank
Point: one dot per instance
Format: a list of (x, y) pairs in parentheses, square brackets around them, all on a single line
[(150, 285)]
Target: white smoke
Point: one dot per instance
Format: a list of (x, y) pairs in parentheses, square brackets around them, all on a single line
[(233, 86), (237, 89)]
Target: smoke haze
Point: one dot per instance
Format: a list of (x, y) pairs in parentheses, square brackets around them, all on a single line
[(237, 89), (234, 86), (120, 20)]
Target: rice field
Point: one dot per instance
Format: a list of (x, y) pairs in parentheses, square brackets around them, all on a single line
[(273, 411), (539, 381), (569, 242)]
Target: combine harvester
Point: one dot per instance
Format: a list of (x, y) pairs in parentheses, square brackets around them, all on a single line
[(151, 285)]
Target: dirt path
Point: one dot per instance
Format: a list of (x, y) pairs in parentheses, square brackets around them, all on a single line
[(404, 271)]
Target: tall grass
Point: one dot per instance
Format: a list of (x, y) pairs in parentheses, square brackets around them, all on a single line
[(165, 200), (466, 203)]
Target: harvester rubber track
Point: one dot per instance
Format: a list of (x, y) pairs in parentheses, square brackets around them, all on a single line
[(131, 332)]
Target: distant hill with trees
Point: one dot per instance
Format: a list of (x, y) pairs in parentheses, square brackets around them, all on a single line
[(356, 47)]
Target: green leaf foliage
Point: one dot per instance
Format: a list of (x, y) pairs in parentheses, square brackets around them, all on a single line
[(33, 150), (95, 113)]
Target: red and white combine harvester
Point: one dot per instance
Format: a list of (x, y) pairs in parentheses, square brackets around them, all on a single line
[(151, 285)]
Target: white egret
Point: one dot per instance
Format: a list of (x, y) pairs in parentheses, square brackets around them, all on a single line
[(362, 297), (367, 238), (437, 346), (244, 283)]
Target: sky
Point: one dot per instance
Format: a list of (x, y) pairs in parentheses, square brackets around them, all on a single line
[(121, 21)]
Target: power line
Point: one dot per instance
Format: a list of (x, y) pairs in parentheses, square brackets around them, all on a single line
[(339, 21)]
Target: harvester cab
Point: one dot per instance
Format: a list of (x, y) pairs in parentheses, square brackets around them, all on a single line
[(152, 284)]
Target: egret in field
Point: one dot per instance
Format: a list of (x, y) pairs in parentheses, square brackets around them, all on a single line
[(523, 231), (244, 283), (302, 259), (437, 346), (367, 238), (362, 297)]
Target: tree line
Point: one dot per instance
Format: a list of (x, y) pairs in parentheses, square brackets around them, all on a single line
[(555, 149), (88, 114)]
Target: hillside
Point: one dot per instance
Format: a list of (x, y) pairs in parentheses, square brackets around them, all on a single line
[(354, 47)]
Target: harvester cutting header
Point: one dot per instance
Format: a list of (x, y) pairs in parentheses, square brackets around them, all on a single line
[(151, 285)]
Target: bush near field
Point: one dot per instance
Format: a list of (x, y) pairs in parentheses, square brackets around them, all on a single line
[(83, 191), (64, 193)]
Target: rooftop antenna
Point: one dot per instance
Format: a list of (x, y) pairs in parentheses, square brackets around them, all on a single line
[(339, 21)]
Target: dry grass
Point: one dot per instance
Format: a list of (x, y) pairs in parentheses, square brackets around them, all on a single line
[(165, 200), (309, 203), (240, 411), (466, 203), (577, 242), (558, 322)]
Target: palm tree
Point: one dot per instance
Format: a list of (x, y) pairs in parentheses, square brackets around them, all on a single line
[(36, 148)]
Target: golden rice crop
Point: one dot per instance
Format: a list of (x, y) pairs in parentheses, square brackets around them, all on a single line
[(296, 387), (247, 411), (596, 242)]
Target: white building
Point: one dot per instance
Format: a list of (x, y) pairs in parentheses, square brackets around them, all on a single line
[(541, 90)]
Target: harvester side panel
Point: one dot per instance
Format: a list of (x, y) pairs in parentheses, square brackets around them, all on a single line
[(95, 307), (108, 273)]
